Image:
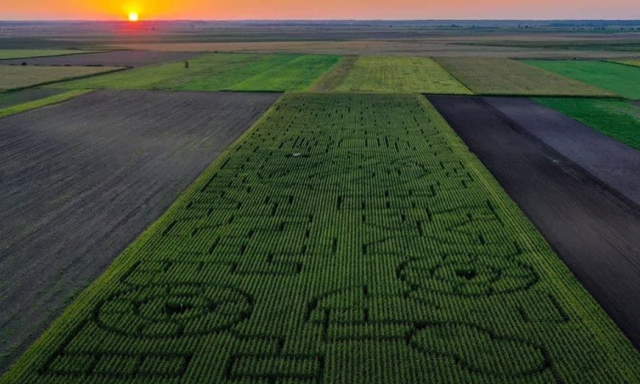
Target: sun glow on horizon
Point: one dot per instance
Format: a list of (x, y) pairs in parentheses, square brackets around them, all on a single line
[(133, 17)]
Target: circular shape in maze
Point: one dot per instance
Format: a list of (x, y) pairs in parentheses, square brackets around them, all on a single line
[(468, 275), (174, 310), (480, 351)]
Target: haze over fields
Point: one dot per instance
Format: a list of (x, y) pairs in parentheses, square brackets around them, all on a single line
[(318, 10)]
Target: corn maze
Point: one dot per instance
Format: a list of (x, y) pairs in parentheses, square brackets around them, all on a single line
[(343, 239)]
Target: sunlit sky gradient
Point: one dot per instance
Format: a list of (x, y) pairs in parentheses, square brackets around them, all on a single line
[(318, 9)]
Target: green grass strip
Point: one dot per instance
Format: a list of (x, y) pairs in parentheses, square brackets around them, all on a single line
[(342, 239), (42, 102)]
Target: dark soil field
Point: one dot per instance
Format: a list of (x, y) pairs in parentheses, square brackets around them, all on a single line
[(106, 59), (80, 180), (591, 229), (609, 160), (14, 98)]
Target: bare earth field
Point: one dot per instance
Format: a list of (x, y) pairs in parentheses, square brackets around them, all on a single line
[(107, 59), (593, 231), (607, 159), (80, 180)]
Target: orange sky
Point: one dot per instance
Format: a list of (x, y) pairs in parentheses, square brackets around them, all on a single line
[(320, 9)]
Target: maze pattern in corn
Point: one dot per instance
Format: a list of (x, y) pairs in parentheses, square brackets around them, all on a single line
[(343, 239)]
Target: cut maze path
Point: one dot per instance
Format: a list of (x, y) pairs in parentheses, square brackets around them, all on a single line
[(80, 180), (343, 239), (591, 229)]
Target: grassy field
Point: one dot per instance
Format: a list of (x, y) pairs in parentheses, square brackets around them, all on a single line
[(343, 239), (621, 79), (297, 74), (399, 75), (26, 53), (332, 79), (12, 110), (13, 77), (221, 72), (510, 77), (615, 118)]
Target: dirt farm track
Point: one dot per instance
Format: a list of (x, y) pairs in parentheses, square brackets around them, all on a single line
[(102, 167)]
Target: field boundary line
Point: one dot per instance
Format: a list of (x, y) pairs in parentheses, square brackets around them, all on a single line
[(347, 61), (47, 56), (620, 63)]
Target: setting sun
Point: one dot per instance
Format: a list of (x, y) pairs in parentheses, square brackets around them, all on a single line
[(133, 16)]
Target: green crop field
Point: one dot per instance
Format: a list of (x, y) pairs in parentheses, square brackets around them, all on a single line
[(342, 239), (13, 77), (621, 79), (27, 53), (217, 72), (510, 77), (400, 75), (615, 118)]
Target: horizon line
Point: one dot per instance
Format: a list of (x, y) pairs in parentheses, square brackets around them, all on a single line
[(316, 20)]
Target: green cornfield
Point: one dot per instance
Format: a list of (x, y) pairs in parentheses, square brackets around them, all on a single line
[(342, 239)]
